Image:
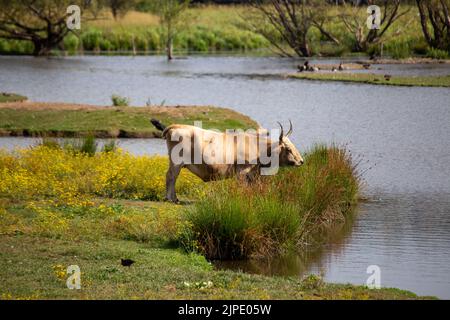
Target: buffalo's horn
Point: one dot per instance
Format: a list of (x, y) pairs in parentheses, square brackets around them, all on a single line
[(290, 129), (282, 130)]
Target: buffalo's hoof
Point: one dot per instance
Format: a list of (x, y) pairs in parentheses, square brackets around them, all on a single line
[(172, 200)]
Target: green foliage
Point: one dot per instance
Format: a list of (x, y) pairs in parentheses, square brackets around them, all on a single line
[(91, 39), (217, 28), (119, 101), (110, 146), (237, 220), (71, 43), (86, 145), (114, 122), (437, 54), (399, 50), (312, 282), (11, 97)]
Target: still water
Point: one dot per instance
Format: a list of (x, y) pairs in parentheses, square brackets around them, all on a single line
[(402, 133)]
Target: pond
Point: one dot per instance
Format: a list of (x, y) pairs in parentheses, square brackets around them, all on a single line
[(403, 135)]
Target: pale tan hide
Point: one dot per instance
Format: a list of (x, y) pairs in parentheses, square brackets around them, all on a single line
[(222, 155)]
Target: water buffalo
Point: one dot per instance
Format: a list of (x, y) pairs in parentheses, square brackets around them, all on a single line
[(215, 155)]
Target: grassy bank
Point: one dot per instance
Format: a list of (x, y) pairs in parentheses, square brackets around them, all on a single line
[(158, 273), (11, 97), (59, 207), (377, 79), (64, 120)]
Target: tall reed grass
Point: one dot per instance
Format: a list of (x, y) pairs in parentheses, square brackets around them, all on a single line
[(275, 214)]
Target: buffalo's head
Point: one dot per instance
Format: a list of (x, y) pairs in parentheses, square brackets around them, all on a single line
[(289, 155)]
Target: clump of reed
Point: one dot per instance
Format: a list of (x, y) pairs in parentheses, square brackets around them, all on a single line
[(236, 220), (85, 145)]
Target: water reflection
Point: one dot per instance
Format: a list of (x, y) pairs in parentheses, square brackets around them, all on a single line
[(292, 264)]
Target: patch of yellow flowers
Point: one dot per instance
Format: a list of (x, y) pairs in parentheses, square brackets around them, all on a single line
[(72, 179), (59, 271), (54, 188)]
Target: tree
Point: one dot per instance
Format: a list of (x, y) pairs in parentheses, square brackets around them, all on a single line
[(43, 22), (290, 21), (357, 26), (435, 14), (170, 13)]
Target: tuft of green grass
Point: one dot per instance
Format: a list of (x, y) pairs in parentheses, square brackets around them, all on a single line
[(437, 54), (110, 146), (236, 220)]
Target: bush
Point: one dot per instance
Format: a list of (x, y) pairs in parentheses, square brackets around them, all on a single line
[(119, 101), (235, 220), (91, 39), (71, 43)]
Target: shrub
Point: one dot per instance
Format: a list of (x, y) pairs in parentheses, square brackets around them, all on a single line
[(119, 101), (71, 43), (91, 39)]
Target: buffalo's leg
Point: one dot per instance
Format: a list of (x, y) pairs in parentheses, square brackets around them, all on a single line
[(171, 179), (247, 174)]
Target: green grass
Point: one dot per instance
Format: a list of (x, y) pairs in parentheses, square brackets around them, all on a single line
[(28, 261), (11, 97), (113, 122), (26, 270), (277, 213), (376, 79)]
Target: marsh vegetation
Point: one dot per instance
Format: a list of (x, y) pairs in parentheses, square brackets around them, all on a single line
[(72, 206), (328, 30)]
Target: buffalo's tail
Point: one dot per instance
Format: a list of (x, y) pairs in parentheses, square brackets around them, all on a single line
[(158, 125)]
